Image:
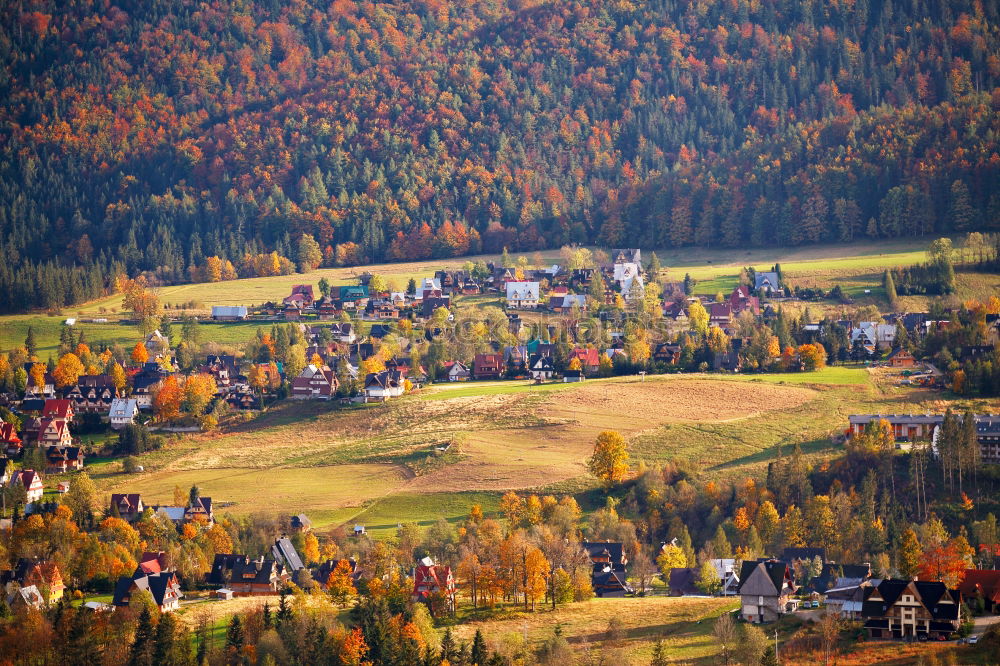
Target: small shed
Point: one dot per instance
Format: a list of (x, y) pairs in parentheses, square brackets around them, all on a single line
[(224, 594), (63, 487), (359, 530)]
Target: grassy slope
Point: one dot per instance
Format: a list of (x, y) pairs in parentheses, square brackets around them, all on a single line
[(377, 467), (856, 267), (684, 625)]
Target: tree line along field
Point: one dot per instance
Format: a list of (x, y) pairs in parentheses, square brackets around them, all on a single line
[(855, 267), (377, 465)]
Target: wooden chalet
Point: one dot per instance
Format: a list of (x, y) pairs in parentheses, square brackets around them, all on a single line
[(62, 459), (911, 609), (488, 366), (900, 358), (163, 586), (380, 386), (669, 354), (9, 440), (314, 383), (54, 432), (93, 394), (42, 574), (32, 483), (608, 577), (590, 359), (58, 409), (247, 577)]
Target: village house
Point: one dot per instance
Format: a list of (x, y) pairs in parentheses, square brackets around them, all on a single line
[(92, 394), (61, 459), (900, 358), (285, 554), (327, 567), (683, 581), (590, 359), (766, 588), (353, 297), (222, 367), (741, 299), (343, 332), (456, 371), (145, 383), (163, 586), (608, 576), (123, 412), (541, 367), (54, 432), (767, 284), (564, 304), (522, 295), (128, 505), (301, 523), (41, 574), (58, 409), (24, 598), (911, 609), (314, 383), (667, 353), (488, 366), (328, 308), (300, 298), (906, 427), (32, 483), (247, 577), (9, 440), (431, 582), (720, 314), (982, 584), (46, 390), (380, 386)]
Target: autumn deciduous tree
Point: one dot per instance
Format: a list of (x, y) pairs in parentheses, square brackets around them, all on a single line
[(118, 377), (37, 375), (813, 356), (609, 463), (139, 353), (143, 303), (68, 370), (340, 583), (167, 400), (198, 392)]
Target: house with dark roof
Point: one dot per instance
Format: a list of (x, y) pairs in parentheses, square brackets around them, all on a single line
[(128, 505), (766, 588), (910, 609), (456, 371), (766, 283), (163, 586), (541, 367), (380, 386), (61, 459), (314, 383), (92, 394), (283, 551), (900, 358), (247, 577), (608, 577), (301, 523)]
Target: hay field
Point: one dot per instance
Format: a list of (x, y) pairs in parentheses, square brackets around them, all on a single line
[(378, 463), (683, 624)]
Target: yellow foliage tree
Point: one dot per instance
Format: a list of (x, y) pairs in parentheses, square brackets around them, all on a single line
[(139, 353), (68, 370), (609, 463)]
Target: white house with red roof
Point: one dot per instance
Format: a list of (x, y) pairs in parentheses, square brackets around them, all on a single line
[(32, 483)]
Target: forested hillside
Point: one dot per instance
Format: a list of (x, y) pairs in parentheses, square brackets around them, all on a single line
[(150, 135)]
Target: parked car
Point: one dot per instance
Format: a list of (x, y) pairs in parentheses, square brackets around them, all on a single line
[(973, 639)]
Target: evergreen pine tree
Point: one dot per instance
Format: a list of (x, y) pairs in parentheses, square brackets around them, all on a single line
[(29, 342), (234, 635), (141, 653), (479, 651)]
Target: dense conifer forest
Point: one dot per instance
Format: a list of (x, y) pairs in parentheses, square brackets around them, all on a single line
[(187, 140)]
